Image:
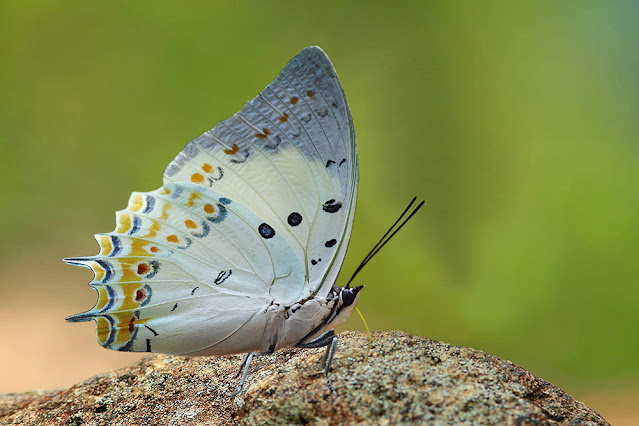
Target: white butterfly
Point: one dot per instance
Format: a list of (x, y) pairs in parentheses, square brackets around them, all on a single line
[(239, 251)]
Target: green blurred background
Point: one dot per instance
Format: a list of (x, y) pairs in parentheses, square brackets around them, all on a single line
[(516, 121)]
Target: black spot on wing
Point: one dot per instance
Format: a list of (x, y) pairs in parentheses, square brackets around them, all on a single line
[(266, 231), (294, 219), (330, 243), (331, 206)]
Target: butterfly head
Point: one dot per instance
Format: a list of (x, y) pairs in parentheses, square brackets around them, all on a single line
[(348, 296), (347, 300)]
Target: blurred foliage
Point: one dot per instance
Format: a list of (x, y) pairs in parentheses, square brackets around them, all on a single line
[(516, 121)]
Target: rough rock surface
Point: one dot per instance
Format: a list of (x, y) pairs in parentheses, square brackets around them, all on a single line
[(407, 379)]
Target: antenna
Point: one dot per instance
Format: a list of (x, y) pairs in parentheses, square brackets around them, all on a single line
[(382, 242)]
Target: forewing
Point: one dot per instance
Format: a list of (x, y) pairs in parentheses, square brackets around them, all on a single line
[(289, 156)]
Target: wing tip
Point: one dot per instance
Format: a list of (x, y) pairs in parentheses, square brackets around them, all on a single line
[(314, 52), (313, 48)]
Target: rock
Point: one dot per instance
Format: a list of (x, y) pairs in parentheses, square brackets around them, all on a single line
[(407, 379)]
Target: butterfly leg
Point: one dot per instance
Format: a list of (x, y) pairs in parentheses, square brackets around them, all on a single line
[(246, 363), (244, 368), (239, 372), (328, 339)]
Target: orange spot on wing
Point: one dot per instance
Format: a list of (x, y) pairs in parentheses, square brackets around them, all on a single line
[(154, 249), (194, 196), (232, 150), (172, 239), (197, 178), (143, 268), (293, 100), (132, 325), (265, 133), (284, 118), (140, 295), (207, 168), (209, 208), (190, 224), (310, 94)]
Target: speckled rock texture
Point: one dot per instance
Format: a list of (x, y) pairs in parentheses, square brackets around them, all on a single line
[(407, 379)]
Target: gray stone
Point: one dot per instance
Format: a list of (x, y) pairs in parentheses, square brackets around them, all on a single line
[(407, 379)]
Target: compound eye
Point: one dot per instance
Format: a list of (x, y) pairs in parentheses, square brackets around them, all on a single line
[(348, 297)]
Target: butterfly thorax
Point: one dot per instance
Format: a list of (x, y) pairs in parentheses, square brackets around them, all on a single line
[(304, 321)]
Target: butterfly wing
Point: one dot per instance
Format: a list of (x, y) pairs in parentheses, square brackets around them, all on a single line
[(289, 155), (176, 274)]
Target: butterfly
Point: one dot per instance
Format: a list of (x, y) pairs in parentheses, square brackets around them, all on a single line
[(239, 250)]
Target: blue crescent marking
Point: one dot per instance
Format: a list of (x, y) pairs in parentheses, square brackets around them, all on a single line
[(108, 272), (150, 204), (136, 225), (221, 214), (117, 245), (156, 268), (205, 231), (111, 298), (112, 331), (188, 244)]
